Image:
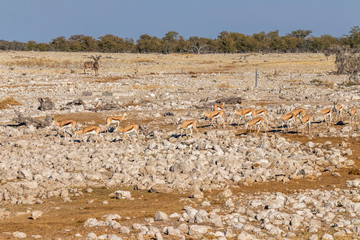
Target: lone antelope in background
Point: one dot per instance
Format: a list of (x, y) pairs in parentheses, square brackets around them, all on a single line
[(129, 129), (63, 125), (257, 122), (215, 115), (218, 107), (93, 65), (89, 130), (112, 120), (189, 124)]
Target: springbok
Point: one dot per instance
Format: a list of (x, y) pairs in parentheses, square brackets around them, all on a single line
[(256, 122), (288, 118), (215, 115), (189, 124), (129, 129), (63, 125), (90, 130)]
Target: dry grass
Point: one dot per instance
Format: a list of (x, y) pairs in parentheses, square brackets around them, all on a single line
[(224, 85), (144, 60), (323, 83), (125, 63), (110, 79), (42, 63), (148, 87), (9, 101)]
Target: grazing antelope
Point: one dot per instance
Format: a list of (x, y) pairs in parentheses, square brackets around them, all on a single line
[(93, 65), (112, 120), (352, 112), (257, 122), (297, 113), (338, 108), (261, 112), (63, 125), (189, 124), (288, 118), (89, 130), (129, 129), (219, 107), (215, 115), (244, 113), (326, 112), (306, 120)]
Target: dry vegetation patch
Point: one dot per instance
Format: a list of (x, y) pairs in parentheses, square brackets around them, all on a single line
[(9, 101)]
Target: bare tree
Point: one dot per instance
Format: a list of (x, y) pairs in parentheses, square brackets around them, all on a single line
[(347, 62), (198, 49)]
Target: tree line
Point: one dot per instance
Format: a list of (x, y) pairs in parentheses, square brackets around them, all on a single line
[(172, 42)]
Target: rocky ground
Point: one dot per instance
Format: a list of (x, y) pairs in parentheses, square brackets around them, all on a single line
[(219, 183)]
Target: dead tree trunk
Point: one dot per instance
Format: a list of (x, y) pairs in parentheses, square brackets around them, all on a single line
[(23, 120), (45, 104)]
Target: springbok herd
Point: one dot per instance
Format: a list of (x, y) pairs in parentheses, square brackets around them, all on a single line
[(258, 120)]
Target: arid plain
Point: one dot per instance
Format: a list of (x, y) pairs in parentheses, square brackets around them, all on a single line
[(222, 182)]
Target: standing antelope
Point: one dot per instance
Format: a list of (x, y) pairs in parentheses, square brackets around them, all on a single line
[(261, 112), (297, 113), (93, 65), (215, 115), (306, 120), (219, 107), (63, 125), (112, 120), (244, 113), (353, 112), (256, 122), (326, 112), (89, 130), (288, 118), (338, 108), (129, 129), (189, 124)]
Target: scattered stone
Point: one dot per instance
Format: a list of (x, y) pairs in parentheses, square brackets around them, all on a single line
[(91, 236), (123, 195), (36, 215), (197, 230), (159, 188), (19, 235), (160, 216)]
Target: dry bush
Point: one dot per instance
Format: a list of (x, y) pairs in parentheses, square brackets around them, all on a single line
[(9, 101), (328, 83), (274, 74)]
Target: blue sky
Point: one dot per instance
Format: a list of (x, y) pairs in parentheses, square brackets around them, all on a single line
[(43, 20)]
